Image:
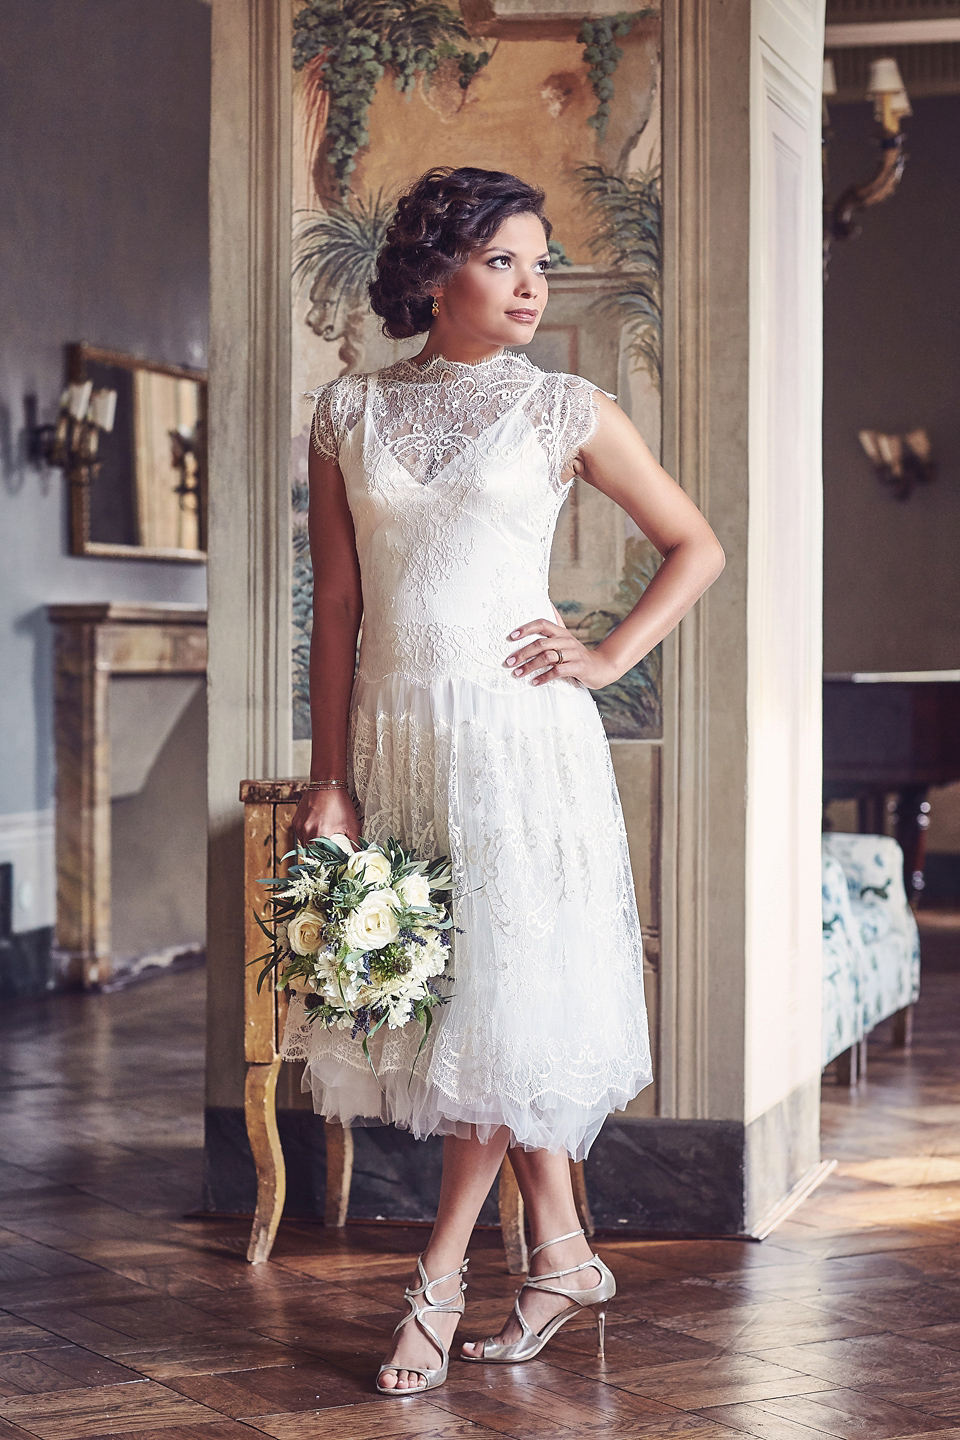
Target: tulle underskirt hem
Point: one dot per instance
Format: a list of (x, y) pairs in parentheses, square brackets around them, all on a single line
[(552, 1122)]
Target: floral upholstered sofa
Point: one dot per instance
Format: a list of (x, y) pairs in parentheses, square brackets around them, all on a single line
[(871, 947)]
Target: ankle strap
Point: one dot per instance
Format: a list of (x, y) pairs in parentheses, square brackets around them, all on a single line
[(426, 1285), (556, 1241)]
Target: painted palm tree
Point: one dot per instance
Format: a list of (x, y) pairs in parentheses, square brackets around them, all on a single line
[(627, 212), (335, 251)]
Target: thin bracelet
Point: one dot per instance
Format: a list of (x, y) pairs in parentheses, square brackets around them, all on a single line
[(326, 785)]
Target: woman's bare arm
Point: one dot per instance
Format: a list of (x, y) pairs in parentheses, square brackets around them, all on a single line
[(619, 463), (337, 612)]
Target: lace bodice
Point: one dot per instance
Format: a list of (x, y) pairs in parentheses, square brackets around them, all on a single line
[(454, 475)]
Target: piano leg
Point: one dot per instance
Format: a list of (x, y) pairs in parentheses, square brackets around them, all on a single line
[(911, 828), (871, 816)]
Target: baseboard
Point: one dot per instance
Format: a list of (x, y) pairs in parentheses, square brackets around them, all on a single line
[(804, 1187), (28, 965), (395, 1177), (666, 1178), (27, 843)]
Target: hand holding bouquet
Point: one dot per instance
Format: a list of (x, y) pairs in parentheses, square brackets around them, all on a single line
[(364, 931)]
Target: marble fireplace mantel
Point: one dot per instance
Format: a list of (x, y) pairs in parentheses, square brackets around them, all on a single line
[(93, 643)]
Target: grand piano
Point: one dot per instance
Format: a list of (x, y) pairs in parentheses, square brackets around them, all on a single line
[(889, 737)]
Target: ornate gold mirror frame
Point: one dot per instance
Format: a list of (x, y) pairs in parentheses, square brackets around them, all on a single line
[(143, 493)]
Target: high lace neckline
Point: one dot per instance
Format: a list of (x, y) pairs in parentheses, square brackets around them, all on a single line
[(440, 362)]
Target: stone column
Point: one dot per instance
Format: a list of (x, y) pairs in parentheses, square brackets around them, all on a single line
[(249, 517)]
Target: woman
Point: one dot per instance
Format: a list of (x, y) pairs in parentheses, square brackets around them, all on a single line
[(469, 730)]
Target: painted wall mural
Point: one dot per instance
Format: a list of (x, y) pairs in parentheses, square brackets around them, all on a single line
[(384, 89)]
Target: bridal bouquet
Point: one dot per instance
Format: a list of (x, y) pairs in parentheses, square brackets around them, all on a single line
[(364, 932)]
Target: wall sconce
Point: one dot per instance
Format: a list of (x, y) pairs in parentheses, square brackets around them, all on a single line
[(185, 447), (72, 442), (901, 461), (891, 105)]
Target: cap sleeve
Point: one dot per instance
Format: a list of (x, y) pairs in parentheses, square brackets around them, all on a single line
[(323, 432), (571, 419)]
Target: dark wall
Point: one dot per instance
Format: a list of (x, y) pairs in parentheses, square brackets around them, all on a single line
[(104, 140), (892, 363)]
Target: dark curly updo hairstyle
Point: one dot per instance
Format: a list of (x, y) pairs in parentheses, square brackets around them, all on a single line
[(439, 222)]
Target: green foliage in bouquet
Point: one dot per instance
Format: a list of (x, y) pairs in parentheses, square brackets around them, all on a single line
[(364, 933)]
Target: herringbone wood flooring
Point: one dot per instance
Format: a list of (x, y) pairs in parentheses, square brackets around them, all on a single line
[(120, 1317)]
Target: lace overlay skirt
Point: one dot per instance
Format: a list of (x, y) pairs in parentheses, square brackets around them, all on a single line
[(546, 1032)]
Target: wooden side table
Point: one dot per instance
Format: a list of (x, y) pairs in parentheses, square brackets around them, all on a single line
[(91, 644), (269, 807)]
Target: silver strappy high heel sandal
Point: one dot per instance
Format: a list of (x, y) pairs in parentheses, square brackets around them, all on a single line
[(531, 1342), (453, 1306)]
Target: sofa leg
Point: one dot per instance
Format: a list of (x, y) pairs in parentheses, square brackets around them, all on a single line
[(903, 1027), (862, 1059), (848, 1068)]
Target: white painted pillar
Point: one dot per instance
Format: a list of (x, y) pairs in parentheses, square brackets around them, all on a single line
[(740, 1033)]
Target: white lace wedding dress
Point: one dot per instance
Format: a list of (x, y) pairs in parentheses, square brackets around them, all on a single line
[(453, 476)]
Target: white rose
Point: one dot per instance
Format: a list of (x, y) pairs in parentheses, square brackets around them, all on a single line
[(370, 866), (344, 843), (374, 923), (305, 931), (414, 889), (399, 1014)]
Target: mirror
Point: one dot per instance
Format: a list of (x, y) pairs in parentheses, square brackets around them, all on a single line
[(146, 494)]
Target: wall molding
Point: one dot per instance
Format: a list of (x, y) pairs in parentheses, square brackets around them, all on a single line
[(892, 32), (706, 289)]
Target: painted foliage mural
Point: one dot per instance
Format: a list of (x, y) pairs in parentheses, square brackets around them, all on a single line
[(385, 89)]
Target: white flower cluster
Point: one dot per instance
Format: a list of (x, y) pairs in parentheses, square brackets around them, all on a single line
[(362, 932)]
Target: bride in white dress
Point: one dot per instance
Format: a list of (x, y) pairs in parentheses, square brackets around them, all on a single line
[(469, 730)]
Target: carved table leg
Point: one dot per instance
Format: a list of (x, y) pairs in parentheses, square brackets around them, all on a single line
[(903, 1027), (260, 1109), (339, 1173), (579, 1183), (511, 1220)]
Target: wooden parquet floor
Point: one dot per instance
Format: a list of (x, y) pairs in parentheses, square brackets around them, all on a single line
[(118, 1317)]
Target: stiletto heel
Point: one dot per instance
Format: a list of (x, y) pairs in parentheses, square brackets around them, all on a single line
[(443, 1307), (531, 1341), (601, 1325)]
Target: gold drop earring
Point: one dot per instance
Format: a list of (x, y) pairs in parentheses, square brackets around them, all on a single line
[(435, 307)]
